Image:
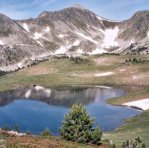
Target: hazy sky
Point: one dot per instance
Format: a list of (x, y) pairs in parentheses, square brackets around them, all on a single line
[(111, 9)]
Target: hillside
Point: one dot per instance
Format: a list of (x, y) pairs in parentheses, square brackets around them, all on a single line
[(73, 31)]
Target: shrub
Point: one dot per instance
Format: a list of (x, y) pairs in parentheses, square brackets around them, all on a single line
[(136, 143), (78, 126), (46, 133), (16, 128), (28, 132), (95, 136), (5, 127)]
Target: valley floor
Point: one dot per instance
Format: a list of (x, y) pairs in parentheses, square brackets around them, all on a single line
[(90, 70), (94, 70)]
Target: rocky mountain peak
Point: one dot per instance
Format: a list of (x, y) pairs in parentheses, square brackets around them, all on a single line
[(44, 14), (78, 6), (141, 14)]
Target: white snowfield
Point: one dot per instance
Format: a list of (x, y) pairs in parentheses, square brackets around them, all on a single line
[(104, 74), (37, 35), (61, 36), (20, 65), (47, 29), (25, 26), (148, 34), (76, 43), (142, 104), (109, 37), (61, 50), (1, 42)]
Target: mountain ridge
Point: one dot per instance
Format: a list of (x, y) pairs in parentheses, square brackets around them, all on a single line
[(72, 31)]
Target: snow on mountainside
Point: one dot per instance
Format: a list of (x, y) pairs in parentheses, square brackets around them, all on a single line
[(71, 31)]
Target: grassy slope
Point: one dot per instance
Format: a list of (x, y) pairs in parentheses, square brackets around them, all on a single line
[(39, 142), (136, 126), (65, 72), (132, 96)]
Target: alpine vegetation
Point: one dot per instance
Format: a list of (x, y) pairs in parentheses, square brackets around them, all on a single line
[(78, 126)]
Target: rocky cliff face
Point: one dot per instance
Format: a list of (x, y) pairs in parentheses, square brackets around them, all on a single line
[(72, 31)]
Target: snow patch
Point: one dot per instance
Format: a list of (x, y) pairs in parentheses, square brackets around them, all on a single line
[(63, 49), (98, 29), (97, 51), (148, 34), (109, 37), (39, 43), (104, 74), (100, 18), (80, 51), (1, 42), (143, 104), (86, 37), (76, 43), (20, 65), (37, 35), (61, 36), (131, 42), (47, 29), (25, 26)]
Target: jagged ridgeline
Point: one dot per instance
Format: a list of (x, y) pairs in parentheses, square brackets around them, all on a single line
[(71, 31)]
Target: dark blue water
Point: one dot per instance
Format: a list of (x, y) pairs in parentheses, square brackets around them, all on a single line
[(35, 108)]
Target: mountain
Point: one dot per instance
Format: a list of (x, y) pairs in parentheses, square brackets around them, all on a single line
[(136, 29), (16, 44), (71, 31)]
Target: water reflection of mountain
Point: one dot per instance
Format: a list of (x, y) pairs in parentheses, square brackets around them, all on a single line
[(58, 97)]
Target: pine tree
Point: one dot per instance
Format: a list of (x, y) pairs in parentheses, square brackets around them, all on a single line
[(78, 126)]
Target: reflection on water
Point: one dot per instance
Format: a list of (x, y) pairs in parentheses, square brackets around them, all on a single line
[(35, 108)]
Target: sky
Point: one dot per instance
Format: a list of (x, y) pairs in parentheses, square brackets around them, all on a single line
[(110, 9)]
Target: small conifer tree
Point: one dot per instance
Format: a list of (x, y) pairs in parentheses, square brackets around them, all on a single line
[(78, 126)]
